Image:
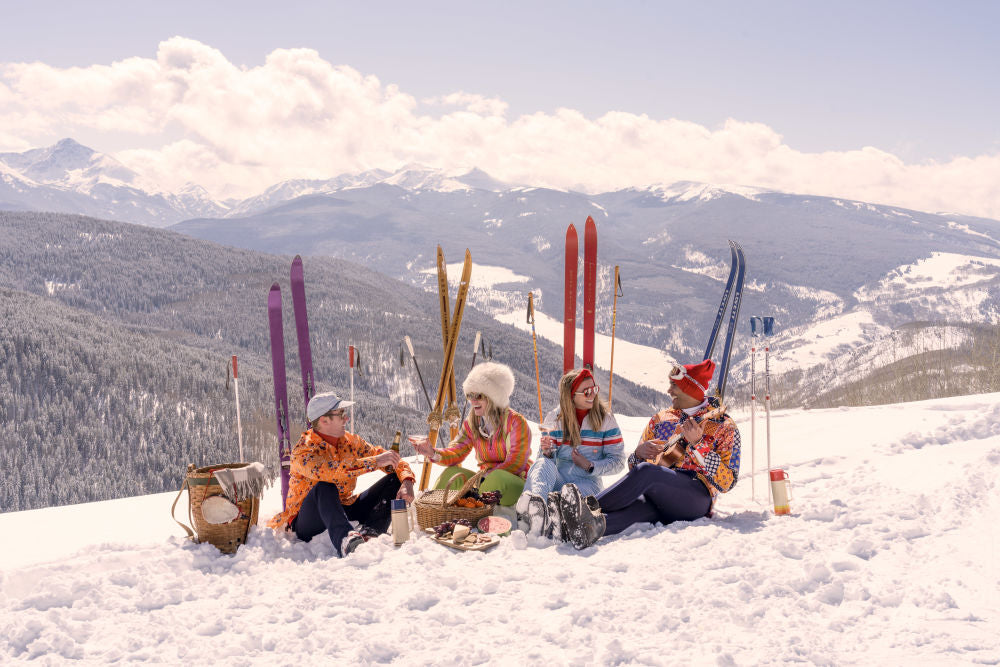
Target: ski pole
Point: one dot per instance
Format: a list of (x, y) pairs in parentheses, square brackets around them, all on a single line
[(768, 323), (475, 350), (409, 347), (239, 426), (350, 360), (753, 407), (534, 344), (614, 317)]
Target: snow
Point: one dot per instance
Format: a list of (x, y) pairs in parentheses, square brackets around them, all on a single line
[(483, 276), (821, 341), (942, 270), (640, 364), (889, 556), (684, 191)]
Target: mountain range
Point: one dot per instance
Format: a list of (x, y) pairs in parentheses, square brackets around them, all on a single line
[(814, 263)]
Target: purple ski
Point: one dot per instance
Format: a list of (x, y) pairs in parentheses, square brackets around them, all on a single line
[(280, 385), (302, 330)]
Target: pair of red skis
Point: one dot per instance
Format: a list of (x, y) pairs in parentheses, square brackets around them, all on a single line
[(589, 295)]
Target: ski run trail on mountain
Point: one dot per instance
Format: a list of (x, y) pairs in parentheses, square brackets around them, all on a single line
[(890, 556)]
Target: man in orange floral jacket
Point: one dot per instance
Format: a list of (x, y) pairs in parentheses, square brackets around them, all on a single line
[(326, 462)]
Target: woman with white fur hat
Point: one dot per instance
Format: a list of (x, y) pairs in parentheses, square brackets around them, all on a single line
[(499, 436)]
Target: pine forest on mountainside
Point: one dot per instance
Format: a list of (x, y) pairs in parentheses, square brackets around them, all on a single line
[(116, 338)]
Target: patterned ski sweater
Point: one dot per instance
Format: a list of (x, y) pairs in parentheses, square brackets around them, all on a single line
[(316, 460), (508, 449), (720, 448)]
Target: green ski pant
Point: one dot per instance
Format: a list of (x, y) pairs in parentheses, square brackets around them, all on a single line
[(508, 484)]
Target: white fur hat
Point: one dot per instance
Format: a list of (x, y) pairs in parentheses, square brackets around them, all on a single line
[(493, 379)]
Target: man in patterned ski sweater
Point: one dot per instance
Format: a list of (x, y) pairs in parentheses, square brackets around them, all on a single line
[(667, 486), (326, 463)]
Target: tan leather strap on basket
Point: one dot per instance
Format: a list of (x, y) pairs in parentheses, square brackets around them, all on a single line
[(190, 533), (469, 483)]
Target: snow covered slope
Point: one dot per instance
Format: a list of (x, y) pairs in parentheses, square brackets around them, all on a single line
[(890, 556)]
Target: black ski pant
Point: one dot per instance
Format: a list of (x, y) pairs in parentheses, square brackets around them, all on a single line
[(651, 493), (322, 510)]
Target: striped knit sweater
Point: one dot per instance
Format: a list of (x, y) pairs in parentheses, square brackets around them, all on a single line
[(602, 446), (508, 449)]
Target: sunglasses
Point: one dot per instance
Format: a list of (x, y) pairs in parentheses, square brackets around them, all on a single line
[(337, 413), (589, 391), (475, 397)]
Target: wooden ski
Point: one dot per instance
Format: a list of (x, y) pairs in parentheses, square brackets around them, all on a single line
[(451, 414), (436, 419)]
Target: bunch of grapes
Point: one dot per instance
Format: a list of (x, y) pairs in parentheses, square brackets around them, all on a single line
[(447, 527), (443, 529), (474, 494), (491, 497)]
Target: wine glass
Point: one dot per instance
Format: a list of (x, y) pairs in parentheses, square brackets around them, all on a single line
[(414, 439), (544, 429)]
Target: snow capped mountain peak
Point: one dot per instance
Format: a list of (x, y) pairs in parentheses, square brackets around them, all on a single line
[(422, 177), (479, 180), (70, 164), (683, 191)]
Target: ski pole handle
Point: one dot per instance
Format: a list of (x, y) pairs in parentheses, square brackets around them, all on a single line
[(409, 345), (235, 375)]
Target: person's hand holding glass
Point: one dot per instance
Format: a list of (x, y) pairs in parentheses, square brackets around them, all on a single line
[(547, 442), (422, 446)]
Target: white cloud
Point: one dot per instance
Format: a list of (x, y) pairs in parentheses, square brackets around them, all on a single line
[(296, 115)]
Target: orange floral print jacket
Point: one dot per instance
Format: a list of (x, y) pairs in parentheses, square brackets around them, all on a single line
[(316, 460)]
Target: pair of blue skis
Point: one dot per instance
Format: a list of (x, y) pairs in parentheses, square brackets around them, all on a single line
[(278, 363), (734, 290)]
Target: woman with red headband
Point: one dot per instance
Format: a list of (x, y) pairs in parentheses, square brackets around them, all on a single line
[(583, 442), (665, 485)]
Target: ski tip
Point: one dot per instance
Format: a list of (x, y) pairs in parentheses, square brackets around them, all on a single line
[(297, 260), (275, 287), (571, 229), (590, 222)]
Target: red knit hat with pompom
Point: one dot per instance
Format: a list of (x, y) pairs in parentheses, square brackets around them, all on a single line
[(693, 379)]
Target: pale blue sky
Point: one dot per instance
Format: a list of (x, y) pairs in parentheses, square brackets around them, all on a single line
[(917, 79)]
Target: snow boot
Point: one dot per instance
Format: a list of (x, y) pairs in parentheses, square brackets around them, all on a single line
[(582, 525), (352, 541), (555, 528), (532, 514)]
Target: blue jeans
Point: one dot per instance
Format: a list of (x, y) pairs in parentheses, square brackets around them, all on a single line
[(651, 493), (544, 476), (322, 510)]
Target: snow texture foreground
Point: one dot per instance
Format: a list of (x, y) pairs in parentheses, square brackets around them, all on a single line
[(890, 556)]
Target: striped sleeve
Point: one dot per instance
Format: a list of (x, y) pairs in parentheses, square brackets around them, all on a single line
[(612, 447), (518, 458), (457, 449)]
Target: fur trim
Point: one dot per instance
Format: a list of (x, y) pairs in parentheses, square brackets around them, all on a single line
[(493, 379)]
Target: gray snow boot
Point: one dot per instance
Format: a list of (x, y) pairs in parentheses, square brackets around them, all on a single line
[(583, 525), (532, 514), (555, 529)]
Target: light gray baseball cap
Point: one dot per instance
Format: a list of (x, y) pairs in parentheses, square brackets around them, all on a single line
[(320, 404)]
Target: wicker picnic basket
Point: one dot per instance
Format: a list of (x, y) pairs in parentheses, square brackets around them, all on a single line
[(201, 485), (438, 505)]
